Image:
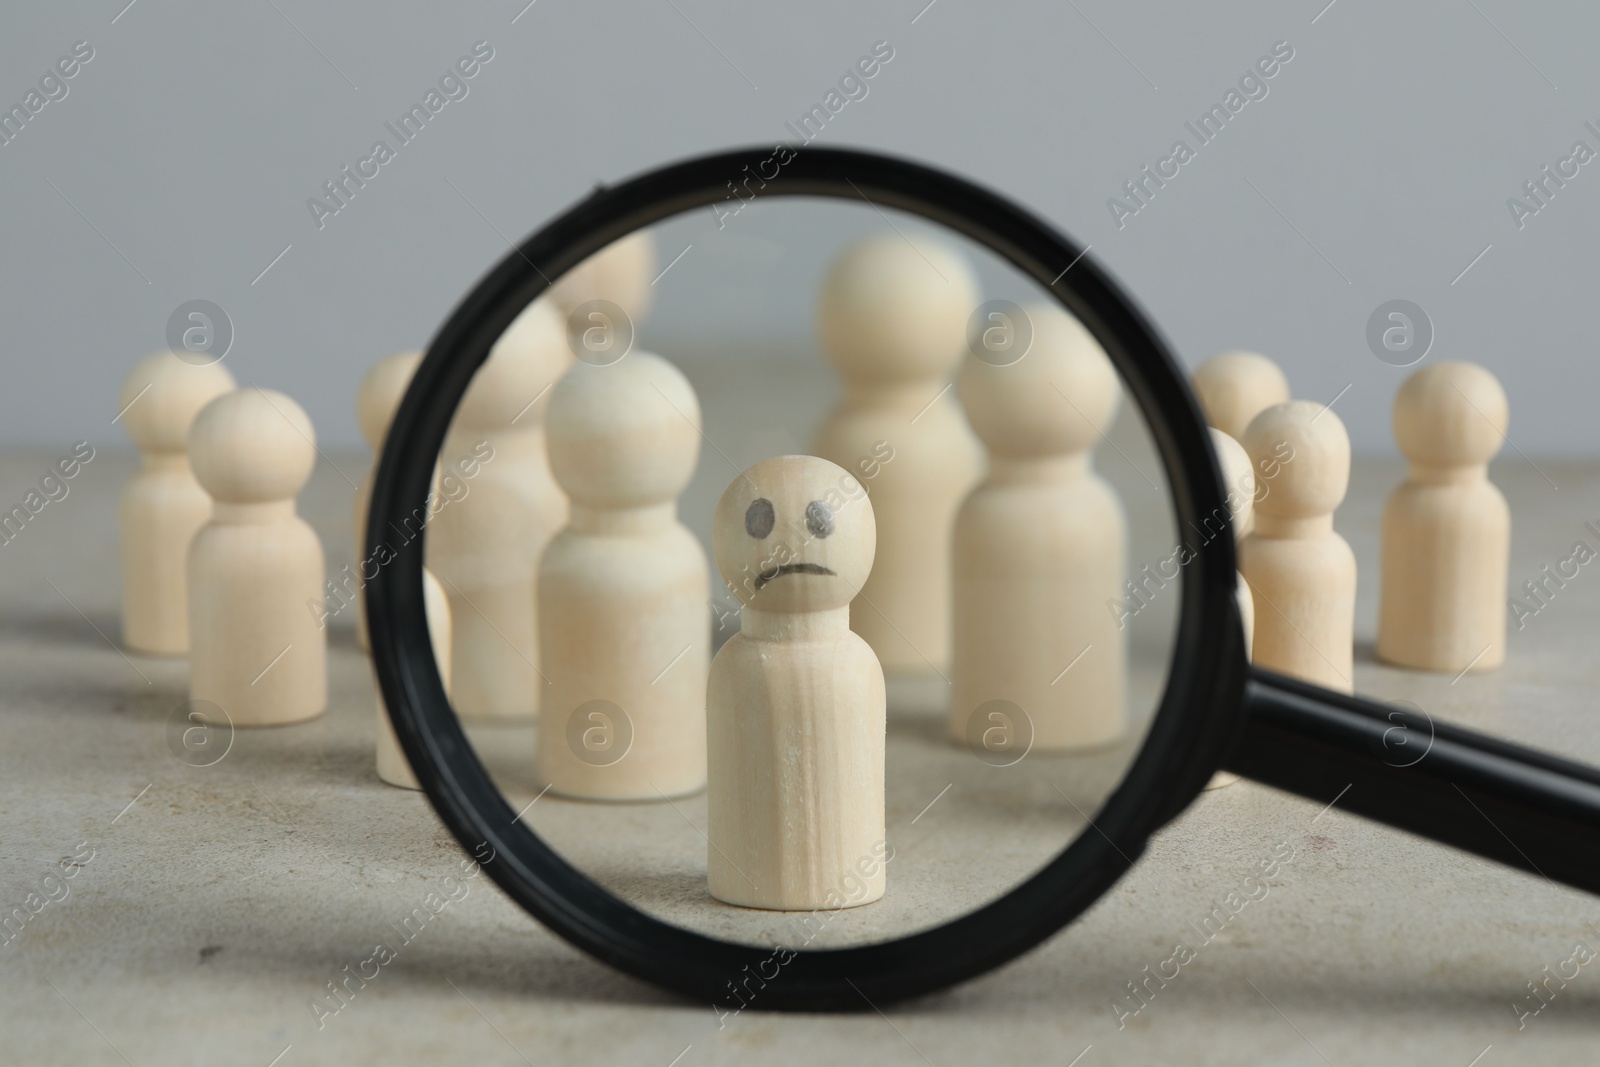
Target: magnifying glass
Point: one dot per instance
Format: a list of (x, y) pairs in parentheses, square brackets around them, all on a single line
[(987, 846)]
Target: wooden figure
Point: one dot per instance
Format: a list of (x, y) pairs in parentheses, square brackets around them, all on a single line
[(258, 651), (1302, 574), (485, 547), (392, 764), (377, 399), (1040, 547), (624, 638), (1447, 530), (795, 712), (162, 505), (623, 272), (1235, 387), (892, 320), (376, 402), (1239, 480)]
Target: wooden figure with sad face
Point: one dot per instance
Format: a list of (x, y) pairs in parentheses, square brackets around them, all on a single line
[(795, 701)]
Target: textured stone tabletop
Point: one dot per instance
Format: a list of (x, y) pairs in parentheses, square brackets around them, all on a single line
[(209, 906)]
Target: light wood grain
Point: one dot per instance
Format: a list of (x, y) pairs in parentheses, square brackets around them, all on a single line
[(625, 630), (1302, 574), (485, 547), (162, 506), (892, 319), (795, 706), (258, 650), (1447, 529), (1041, 548)]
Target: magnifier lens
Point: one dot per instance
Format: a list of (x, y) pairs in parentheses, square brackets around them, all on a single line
[(939, 643)]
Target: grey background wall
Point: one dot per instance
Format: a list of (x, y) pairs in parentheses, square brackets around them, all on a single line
[(1377, 166)]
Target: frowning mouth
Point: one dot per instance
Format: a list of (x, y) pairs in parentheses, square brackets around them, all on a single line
[(790, 568)]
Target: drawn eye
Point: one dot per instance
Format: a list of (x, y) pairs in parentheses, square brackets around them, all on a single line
[(819, 518), (759, 518)]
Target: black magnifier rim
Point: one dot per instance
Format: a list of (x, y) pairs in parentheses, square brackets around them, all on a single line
[(1196, 724)]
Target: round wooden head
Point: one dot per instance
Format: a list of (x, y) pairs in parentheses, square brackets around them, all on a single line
[(1238, 480), (1450, 415), (1057, 399), (1307, 447), (794, 534), (252, 446), (380, 393), (621, 272), (892, 310), (161, 397), (1235, 387), (527, 358), (624, 435)]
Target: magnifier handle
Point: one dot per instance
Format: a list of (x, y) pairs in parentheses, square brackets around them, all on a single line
[(1511, 804)]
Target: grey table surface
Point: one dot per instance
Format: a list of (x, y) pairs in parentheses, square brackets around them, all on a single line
[(211, 905)]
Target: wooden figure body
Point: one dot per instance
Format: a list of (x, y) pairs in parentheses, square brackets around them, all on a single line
[(1040, 547), (892, 320), (392, 764), (257, 650), (376, 402), (795, 712), (162, 506), (1239, 481), (1235, 387), (624, 637), (1447, 530), (485, 547), (1302, 574)]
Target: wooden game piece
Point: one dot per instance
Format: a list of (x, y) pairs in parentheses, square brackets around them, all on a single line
[(1239, 482), (1040, 548), (795, 712), (162, 505), (624, 638), (1447, 529), (1235, 387), (392, 764), (257, 651), (485, 547), (376, 402), (1302, 574), (892, 319), (621, 272)]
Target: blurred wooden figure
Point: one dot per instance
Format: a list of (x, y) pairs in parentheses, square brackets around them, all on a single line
[(1302, 574), (162, 506), (1235, 387), (376, 402), (1239, 482), (1447, 530), (485, 546), (892, 319), (1040, 548), (377, 399), (795, 712), (258, 651), (623, 632), (621, 273)]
